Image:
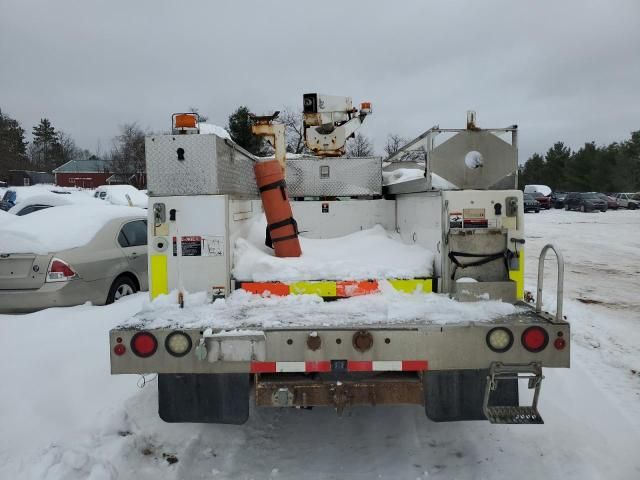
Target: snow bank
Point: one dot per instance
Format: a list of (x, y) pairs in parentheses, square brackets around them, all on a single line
[(57, 388), (60, 228), (209, 128), (5, 217), (368, 254), (243, 310)]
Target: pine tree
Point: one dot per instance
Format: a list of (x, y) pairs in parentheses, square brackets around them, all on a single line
[(240, 130), (533, 171), (47, 153), (13, 146), (556, 160)]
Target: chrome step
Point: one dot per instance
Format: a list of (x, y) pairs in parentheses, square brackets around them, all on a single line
[(521, 415)]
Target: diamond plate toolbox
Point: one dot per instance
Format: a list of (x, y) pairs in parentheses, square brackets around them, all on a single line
[(198, 165), (334, 177)]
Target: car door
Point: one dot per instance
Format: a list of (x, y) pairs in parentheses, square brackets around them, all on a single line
[(133, 241)]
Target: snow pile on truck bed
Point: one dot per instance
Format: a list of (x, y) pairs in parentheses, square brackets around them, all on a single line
[(367, 254), (246, 311), (60, 228)]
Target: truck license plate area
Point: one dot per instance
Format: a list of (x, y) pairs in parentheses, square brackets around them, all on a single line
[(339, 390)]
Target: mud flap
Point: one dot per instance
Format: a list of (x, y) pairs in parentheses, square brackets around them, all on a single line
[(204, 398), (455, 395)]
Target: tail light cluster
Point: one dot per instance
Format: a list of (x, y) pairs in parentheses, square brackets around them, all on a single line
[(534, 339), (145, 344), (60, 271)]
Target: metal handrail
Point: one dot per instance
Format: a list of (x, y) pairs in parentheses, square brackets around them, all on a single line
[(560, 287)]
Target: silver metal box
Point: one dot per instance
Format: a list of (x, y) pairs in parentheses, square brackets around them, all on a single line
[(198, 165), (334, 177)]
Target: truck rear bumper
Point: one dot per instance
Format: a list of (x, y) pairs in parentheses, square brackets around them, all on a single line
[(357, 349)]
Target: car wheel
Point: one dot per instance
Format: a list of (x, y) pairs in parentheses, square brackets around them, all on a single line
[(121, 287), (603, 210), (632, 206)]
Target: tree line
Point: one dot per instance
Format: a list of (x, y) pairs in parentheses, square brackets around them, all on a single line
[(608, 168)]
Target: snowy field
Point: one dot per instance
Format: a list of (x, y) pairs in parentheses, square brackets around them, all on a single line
[(62, 416)]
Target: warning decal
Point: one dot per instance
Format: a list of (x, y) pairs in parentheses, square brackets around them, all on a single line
[(474, 218), (213, 246), (191, 246), (455, 220)]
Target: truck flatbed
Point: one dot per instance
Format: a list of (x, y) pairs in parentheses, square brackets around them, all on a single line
[(244, 311)]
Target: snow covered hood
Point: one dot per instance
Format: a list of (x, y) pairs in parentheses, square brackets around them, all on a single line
[(242, 310), (367, 254), (60, 228)]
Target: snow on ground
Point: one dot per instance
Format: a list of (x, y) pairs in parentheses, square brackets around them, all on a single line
[(60, 228), (62, 415), (368, 254)]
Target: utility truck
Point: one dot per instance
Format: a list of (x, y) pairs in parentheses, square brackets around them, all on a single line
[(409, 293)]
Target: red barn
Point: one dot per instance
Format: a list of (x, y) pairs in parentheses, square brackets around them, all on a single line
[(89, 173)]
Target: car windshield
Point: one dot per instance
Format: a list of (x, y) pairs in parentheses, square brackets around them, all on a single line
[(9, 196), (590, 196), (529, 197)]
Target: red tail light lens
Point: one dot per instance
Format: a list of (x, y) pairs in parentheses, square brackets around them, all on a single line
[(143, 344), (560, 343), (60, 271), (535, 339)]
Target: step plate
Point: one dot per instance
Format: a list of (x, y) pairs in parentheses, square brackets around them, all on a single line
[(519, 415)]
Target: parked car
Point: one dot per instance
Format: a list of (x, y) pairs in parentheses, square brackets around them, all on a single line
[(16, 195), (122, 195), (628, 200), (557, 199), (99, 255), (611, 202), (542, 193), (585, 202), (531, 204), (48, 200)]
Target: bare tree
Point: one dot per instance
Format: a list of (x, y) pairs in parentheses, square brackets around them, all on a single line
[(394, 143), (201, 116), (69, 149), (127, 154), (292, 119), (360, 146)]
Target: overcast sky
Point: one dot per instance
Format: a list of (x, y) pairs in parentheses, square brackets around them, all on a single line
[(561, 70)]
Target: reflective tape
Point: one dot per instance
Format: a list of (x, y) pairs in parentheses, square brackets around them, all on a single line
[(159, 284)]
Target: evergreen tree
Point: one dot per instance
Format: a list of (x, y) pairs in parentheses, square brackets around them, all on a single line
[(240, 130), (13, 146), (47, 152), (556, 160), (532, 172)]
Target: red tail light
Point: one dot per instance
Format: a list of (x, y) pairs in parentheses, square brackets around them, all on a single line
[(535, 339), (119, 349), (143, 344), (60, 271)]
